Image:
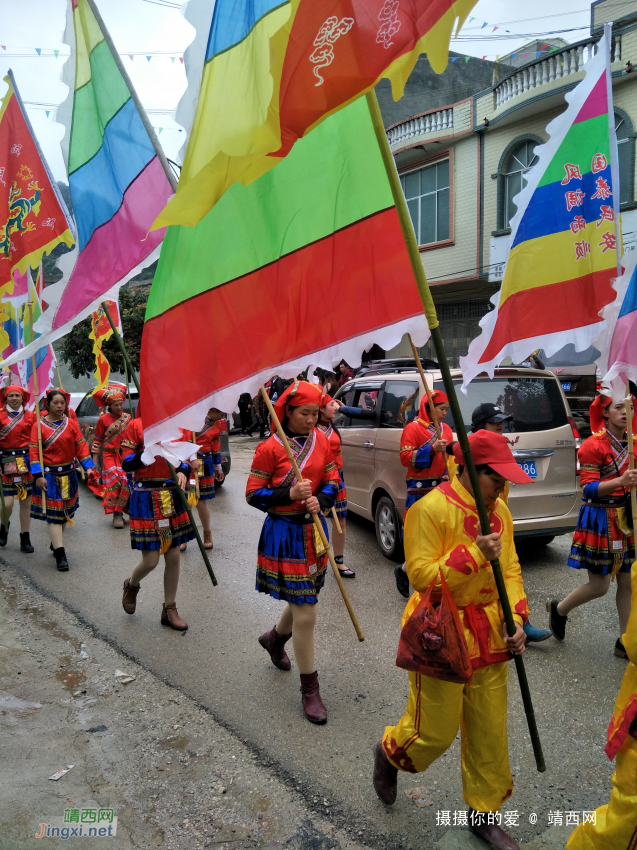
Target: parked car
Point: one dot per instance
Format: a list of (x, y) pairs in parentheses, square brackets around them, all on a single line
[(542, 436), (393, 364), (88, 413), (580, 388)]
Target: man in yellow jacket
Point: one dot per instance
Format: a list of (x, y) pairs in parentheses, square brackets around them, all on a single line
[(442, 535), (615, 825)]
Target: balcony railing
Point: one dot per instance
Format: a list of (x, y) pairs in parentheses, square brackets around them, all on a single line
[(561, 63), (432, 122)]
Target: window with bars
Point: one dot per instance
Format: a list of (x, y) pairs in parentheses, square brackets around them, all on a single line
[(427, 194), (459, 324), (624, 133), (519, 161)]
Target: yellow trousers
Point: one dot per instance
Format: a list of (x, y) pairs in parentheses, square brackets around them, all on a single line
[(616, 824), (435, 712)]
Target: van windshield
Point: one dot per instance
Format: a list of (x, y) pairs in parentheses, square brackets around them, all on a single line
[(535, 404)]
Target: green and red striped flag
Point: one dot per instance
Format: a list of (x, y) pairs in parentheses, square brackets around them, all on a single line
[(305, 266)]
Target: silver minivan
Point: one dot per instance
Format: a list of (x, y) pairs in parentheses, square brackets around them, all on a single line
[(542, 436)]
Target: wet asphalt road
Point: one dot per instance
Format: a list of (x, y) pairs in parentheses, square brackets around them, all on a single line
[(219, 663)]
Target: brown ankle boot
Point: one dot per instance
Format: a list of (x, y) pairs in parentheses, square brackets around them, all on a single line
[(493, 834), (274, 643), (170, 617), (313, 706), (207, 540), (129, 599), (385, 776)]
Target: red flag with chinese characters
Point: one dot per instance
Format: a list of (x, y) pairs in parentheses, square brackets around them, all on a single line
[(33, 218)]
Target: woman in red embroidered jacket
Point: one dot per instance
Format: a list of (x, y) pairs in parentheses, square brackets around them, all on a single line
[(603, 543), (62, 443), (291, 560), (208, 467), (15, 434), (425, 458), (107, 446), (159, 523)]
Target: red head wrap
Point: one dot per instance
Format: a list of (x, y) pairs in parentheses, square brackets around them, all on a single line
[(326, 398), (297, 394), (66, 395), (108, 395), (438, 398), (597, 408), (14, 388)]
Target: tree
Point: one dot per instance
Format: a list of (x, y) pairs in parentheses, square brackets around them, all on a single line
[(77, 349)]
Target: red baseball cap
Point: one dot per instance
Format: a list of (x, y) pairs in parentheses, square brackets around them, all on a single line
[(490, 448)]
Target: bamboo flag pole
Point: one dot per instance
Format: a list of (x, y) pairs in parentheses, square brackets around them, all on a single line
[(432, 407), (631, 451), (336, 521), (317, 521), (37, 408), (184, 502), (434, 326)]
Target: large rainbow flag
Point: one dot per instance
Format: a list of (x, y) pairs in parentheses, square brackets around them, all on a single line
[(564, 236), (307, 265), (275, 69), (117, 183), (33, 216)]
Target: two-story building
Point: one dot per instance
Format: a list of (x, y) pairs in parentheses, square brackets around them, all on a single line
[(462, 162)]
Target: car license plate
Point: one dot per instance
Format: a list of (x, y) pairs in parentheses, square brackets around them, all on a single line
[(529, 467), (566, 386)]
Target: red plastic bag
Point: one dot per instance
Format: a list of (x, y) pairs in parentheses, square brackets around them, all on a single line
[(432, 640)]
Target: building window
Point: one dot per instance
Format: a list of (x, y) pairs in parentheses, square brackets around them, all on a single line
[(427, 194), (519, 161), (459, 324), (624, 133)]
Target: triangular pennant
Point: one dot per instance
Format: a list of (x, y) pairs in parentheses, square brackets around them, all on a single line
[(471, 19), (466, 58), (494, 29), (57, 53), (485, 24), (148, 57), (453, 58), (47, 112), (172, 59), (3, 46), (160, 129), (181, 59), (38, 50)]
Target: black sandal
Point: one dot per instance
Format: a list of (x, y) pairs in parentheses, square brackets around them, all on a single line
[(347, 573)]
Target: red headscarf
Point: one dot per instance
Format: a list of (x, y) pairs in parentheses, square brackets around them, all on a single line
[(326, 398), (598, 423), (297, 394), (14, 388), (438, 398), (108, 395), (66, 395)]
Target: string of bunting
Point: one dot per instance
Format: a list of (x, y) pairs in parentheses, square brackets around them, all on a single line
[(47, 52)]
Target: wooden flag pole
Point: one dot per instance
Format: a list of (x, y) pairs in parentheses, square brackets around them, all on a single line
[(197, 488), (432, 407), (317, 521), (37, 409), (631, 450), (434, 326), (336, 520)]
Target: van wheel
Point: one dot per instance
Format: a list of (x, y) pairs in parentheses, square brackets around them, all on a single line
[(388, 529)]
